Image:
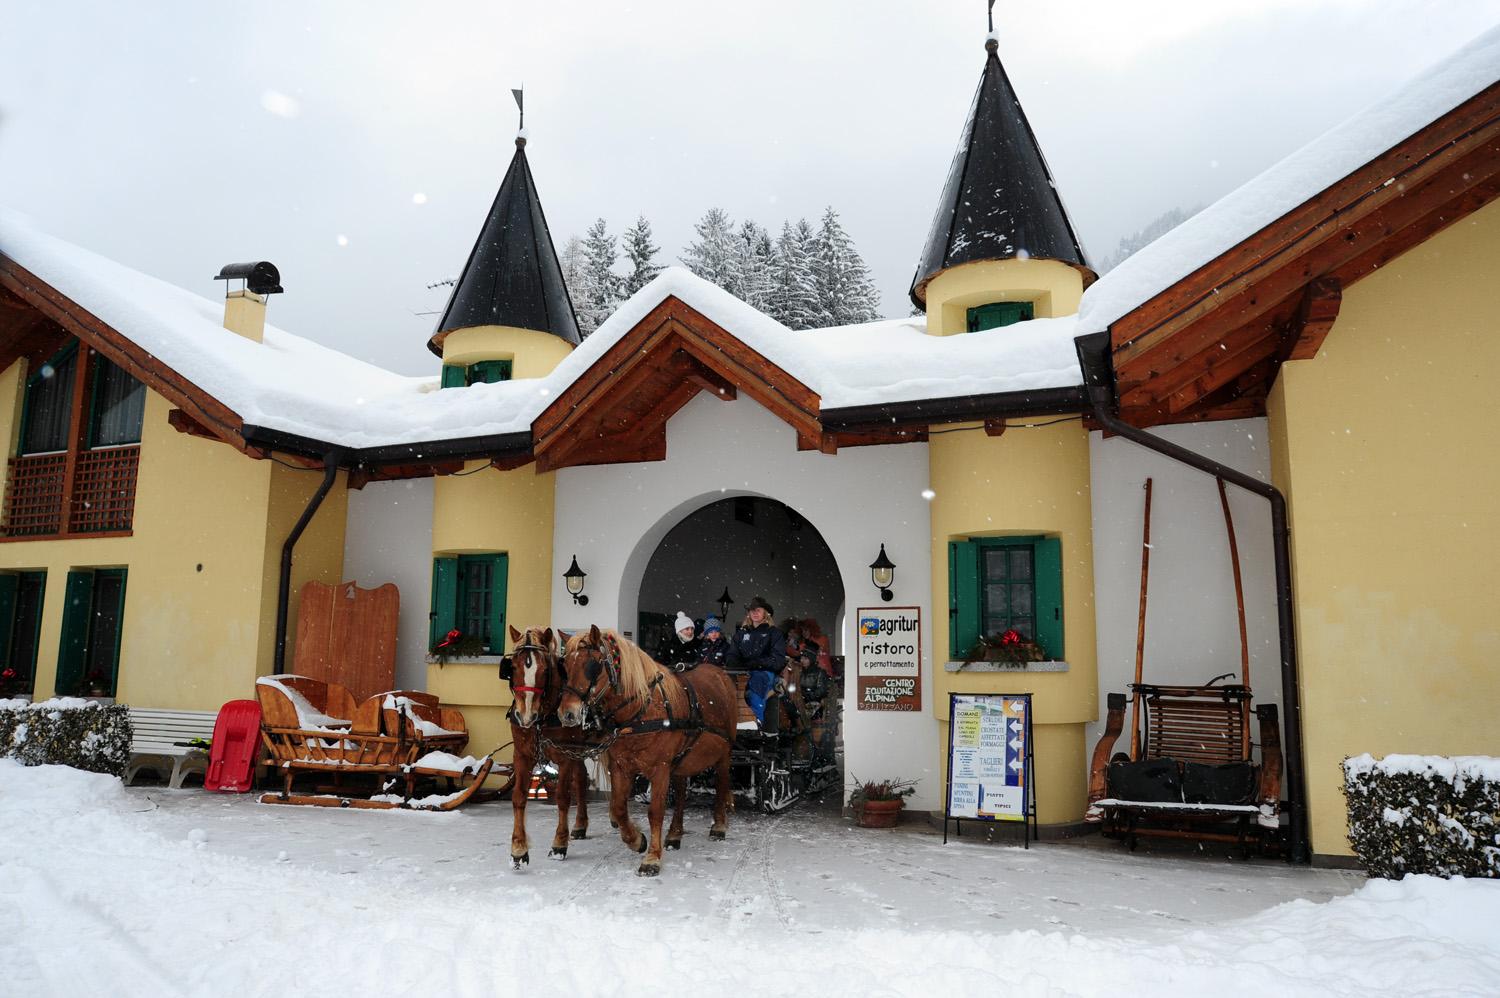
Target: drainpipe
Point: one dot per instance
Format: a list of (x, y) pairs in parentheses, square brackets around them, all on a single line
[(284, 588), (1094, 358)]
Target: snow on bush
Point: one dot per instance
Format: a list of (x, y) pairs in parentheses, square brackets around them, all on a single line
[(1425, 814), (67, 731)]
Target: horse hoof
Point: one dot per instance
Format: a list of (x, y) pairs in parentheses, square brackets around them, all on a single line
[(641, 845), (517, 861), (558, 852), (648, 870), (613, 823), (674, 843), (580, 833), (716, 834)]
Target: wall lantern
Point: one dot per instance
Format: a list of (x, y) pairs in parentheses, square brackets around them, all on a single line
[(724, 601), (883, 573), (573, 579)]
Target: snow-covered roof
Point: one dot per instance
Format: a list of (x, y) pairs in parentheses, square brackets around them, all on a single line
[(1302, 175), (293, 385)]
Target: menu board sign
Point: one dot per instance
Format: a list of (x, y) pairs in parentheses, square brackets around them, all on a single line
[(988, 756)]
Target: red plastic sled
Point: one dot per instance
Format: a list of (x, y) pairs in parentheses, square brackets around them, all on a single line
[(232, 755)]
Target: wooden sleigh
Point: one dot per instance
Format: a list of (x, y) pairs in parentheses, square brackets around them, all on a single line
[(1191, 771), (376, 754)]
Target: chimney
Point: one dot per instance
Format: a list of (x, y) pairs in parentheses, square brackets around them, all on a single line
[(245, 306)]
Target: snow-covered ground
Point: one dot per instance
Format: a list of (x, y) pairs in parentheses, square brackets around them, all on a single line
[(148, 891)]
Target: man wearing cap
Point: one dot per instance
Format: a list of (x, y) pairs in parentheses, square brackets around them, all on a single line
[(759, 646), (715, 646), (682, 649)]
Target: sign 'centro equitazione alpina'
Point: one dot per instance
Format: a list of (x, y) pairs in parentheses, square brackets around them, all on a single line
[(888, 657)]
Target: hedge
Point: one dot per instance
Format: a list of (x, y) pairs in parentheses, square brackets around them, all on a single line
[(1425, 814), (67, 731)]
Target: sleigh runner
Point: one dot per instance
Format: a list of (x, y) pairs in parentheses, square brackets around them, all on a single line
[(390, 751)]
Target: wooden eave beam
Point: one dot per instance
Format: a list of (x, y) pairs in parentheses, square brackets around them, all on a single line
[(1315, 316), (1336, 212), (78, 321)]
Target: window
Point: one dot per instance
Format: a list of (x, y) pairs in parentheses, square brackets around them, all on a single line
[(20, 624), (485, 372), (997, 314), (88, 663), (999, 583), (468, 595), (76, 474)]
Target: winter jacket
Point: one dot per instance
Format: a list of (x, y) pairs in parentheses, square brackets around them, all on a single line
[(673, 651), (762, 647), (715, 652)]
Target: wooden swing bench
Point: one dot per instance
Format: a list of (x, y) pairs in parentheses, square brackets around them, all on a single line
[(391, 740), (1192, 774)]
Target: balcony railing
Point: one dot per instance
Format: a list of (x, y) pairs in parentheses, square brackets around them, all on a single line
[(101, 501)]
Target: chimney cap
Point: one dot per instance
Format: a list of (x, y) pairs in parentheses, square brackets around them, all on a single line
[(260, 276)]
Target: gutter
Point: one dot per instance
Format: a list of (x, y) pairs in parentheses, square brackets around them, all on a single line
[(331, 462), (467, 448), (1095, 358), (1035, 402)]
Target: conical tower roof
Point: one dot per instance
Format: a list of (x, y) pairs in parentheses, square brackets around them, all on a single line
[(512, 277), (1000, 201)]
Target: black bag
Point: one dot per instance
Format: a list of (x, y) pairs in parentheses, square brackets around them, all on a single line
[(1153, 781), (1231, 783)]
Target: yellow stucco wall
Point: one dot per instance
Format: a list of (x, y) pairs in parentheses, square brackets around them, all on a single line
[(1027, 481), (196, 631), (1054, 287), (495, 511), (1386, 447), (533, 354)]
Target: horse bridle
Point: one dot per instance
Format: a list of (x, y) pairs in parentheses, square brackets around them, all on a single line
[(606, 665), (508, 673)]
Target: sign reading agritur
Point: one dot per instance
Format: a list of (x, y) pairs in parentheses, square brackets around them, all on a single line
[(888, 658)]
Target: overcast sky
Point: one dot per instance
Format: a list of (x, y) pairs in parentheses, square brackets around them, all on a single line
[(358, 147)]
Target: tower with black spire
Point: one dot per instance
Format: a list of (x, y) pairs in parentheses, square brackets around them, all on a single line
[(509, 315), (1001, 248)]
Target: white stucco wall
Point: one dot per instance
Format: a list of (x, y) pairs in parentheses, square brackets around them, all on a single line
[(613, 518), (389, 539), (1192, 633)]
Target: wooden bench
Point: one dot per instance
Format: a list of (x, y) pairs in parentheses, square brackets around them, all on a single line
[(160, 736)]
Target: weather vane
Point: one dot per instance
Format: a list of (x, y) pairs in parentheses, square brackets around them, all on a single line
[(521, 106), (992, 17)]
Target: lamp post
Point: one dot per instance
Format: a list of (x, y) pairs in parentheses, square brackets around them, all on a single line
[(573, 579), (883, 573)]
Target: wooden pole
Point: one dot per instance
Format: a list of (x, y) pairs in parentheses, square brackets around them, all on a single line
[(1239, 604), (1140, 631)]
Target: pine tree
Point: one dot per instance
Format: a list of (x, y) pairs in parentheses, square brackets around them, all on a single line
[(755, 266), (716, 255), (603, 285), (640, 251), (841, 281), (575, 276), (793, 302)]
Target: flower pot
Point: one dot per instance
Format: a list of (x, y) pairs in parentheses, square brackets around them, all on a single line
[(880, 813)]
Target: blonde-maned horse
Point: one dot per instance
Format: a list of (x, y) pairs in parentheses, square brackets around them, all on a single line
[(665, 726), (536, 684)]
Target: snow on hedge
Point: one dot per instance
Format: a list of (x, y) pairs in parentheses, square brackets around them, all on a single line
[(96, 901), (1425, 814), (68, 731)]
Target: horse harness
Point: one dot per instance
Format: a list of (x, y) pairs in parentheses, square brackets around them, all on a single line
[(691, 726)]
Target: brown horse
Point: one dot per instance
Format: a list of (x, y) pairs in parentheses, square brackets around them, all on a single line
[(535, 687), (661, 724)]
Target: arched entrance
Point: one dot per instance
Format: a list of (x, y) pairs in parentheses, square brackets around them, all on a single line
[(749, 546)]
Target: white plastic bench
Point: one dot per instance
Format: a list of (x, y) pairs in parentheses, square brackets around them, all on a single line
[(156, 737)]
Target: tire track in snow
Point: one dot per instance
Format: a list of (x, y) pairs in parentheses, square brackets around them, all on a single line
[(755, 859)]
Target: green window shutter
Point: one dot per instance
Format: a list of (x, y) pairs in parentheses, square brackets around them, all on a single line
[(454, 376), (8, 585), (444, 613), (487, 372), (77, 604), (1049, 596), (963, 596), (997, 314), (497, 604)]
